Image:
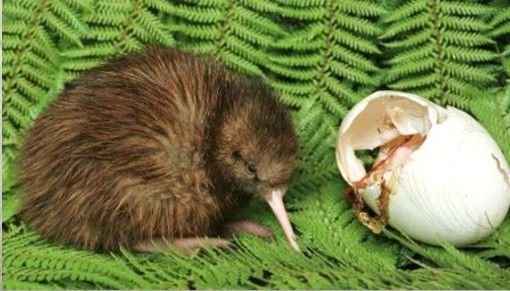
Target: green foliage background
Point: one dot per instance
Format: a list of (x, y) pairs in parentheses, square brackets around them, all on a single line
[(321, 56)]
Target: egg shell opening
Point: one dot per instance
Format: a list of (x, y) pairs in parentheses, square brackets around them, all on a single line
[(376, 120), (454, 187)]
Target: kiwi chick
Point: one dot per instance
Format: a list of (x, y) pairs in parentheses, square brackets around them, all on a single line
[(158, 145)]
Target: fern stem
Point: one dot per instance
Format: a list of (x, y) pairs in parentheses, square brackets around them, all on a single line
[(326, 52), (123, 36), (34, 22), (437, 39), (224, 28), (325, 61)]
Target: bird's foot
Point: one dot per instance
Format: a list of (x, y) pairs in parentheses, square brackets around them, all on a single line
[(185, 245), (247, 226)]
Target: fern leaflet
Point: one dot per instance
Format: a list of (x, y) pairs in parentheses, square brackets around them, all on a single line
[(445, 56)]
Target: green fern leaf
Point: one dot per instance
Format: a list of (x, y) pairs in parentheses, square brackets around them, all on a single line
[(406, 10), (262, 5), (117, 27), (461, 8), (310, 13), (31, 65), (493, 111), (328, 52), (446, 54), (463, 23), (27, 258), (500, 31), (362, 8), (466, 38), (320, 57), (235, 31)]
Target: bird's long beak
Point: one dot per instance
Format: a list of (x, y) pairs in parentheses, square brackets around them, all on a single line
[(275, 201)]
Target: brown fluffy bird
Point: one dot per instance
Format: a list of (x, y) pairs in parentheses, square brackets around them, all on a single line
[(155, 146)]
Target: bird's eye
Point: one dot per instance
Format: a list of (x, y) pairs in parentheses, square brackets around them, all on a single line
[(252, 169)]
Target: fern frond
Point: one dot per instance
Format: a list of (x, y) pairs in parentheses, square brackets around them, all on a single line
[(466, 39), (294, 60), (354, 42), (467, 73), (31, 66), (409, 83), (460, 8), (329, 52), (500, 31), (320, 57), (500, 22), (14, 284), (298, 44), (117, 27), (447, 53), (331, 104), (351, 73), (357, 24), (65, 22), (290, 72), (469, 55), (406, 10), (362, 8), (463, 23), (304, 13), (27, 258), (342, 90), (411, 68), (411, 41), (404, 27), (237, 32), (494, 113), (317, 132), (201, 32), (262, 5), (354, 59), (301, 89)]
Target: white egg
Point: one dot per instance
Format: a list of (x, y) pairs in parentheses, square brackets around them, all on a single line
[(443, 177)]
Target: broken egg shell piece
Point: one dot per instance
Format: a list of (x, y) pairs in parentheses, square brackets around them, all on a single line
[(381, 117), (453, 188)]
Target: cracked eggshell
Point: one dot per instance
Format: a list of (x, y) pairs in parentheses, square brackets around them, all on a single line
[(366, 127), (455, 187)]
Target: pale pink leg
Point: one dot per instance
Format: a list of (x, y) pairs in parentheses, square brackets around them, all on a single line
[(186, 245), (247, 226)]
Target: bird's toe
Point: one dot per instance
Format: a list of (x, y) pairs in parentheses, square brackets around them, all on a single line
[(247, 226)]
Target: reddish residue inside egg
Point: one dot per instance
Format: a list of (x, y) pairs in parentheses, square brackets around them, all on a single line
[(392, 157)]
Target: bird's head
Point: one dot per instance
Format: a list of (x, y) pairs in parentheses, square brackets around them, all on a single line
[(256, 147)]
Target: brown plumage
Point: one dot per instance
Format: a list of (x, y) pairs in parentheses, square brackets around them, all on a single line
[(159, 144)]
